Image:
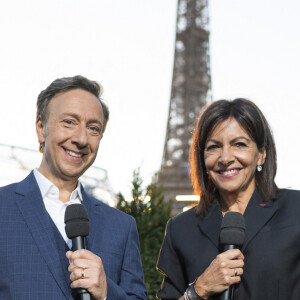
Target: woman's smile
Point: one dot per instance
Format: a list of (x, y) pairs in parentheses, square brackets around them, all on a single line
[(231, 158), (228, 173)]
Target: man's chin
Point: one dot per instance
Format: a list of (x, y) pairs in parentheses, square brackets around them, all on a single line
[(71, 175), (73, 171)]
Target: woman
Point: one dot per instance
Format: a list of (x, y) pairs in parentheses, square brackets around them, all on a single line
[(233, 166)]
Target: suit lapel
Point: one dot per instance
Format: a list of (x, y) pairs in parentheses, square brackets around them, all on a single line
[(96, 221), (30, 203), (211, 223), (256, 215)]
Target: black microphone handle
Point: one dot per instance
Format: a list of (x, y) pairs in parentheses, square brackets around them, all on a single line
[(229, 247), (82, 294), (228, 294), (79, 242)]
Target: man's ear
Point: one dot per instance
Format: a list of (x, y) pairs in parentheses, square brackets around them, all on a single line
[(40, 131), (261, 156)]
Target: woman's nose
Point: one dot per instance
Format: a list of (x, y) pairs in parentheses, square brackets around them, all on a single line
[(226, 156)]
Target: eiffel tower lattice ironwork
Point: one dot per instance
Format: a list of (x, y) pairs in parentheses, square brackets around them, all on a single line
[(191, 84)]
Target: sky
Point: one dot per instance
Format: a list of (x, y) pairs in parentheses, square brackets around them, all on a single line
[(128, 46)]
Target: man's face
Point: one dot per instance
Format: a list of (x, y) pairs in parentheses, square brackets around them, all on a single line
[(71, 135)]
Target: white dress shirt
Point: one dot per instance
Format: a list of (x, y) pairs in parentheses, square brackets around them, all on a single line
[(55, 207)]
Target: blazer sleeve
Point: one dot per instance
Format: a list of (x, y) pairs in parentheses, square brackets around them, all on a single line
[(174, 283), (131, 286)]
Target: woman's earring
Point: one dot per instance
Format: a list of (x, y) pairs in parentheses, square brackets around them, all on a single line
[(259, 168)]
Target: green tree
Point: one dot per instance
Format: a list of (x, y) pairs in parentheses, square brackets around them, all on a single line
[(151, 215)]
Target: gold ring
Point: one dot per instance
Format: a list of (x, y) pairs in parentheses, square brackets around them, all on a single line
[(82, 273), (235, 272)]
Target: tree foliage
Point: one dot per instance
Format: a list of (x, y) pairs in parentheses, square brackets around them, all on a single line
[(151, 215)]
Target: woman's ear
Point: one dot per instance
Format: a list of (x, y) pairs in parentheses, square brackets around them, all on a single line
[(261, 157)]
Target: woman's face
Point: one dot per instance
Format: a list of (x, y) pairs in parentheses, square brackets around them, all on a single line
[(231, 158)]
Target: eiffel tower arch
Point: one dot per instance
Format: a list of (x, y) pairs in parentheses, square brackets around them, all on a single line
[(190, 92)]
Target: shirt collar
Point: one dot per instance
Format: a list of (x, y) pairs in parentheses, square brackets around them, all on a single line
[(45, 185)]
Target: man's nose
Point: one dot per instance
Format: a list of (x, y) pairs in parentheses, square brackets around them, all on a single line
[(80, 136)]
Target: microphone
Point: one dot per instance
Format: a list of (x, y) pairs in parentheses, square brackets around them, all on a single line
[(77, 228), (232, 236)]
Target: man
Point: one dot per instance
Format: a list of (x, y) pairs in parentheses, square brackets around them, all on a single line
[(36, 262)]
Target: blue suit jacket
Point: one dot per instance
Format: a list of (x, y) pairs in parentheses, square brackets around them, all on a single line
[(32, 251)]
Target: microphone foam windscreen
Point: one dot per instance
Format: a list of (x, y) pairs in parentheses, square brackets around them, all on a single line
[(232, 229), (76, 221)]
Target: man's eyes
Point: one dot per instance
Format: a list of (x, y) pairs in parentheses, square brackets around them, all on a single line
[(68, 122), (95, 129)]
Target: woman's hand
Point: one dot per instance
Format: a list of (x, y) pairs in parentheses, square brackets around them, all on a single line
[(226, 269)]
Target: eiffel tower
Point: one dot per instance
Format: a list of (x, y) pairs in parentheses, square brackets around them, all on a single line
[(191, 85)]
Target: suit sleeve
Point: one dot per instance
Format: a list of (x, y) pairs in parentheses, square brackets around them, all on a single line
[(169, 265), (131, 284)]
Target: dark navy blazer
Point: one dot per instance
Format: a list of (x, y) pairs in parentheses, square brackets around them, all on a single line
[(32, 251), (271, 249)]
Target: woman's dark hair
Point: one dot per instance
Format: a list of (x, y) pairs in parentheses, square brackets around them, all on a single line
[(251, 119), (66, 84)]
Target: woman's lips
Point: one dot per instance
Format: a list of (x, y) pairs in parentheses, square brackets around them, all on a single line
[(229, 172)]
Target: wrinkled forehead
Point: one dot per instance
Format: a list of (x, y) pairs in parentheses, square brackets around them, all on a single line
[(76, 102)]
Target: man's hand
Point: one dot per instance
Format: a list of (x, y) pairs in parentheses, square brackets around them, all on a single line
[(86, 271)]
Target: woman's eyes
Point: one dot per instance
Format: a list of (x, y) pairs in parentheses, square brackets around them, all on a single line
[(211, 147), (216, 146), (240, 144)]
